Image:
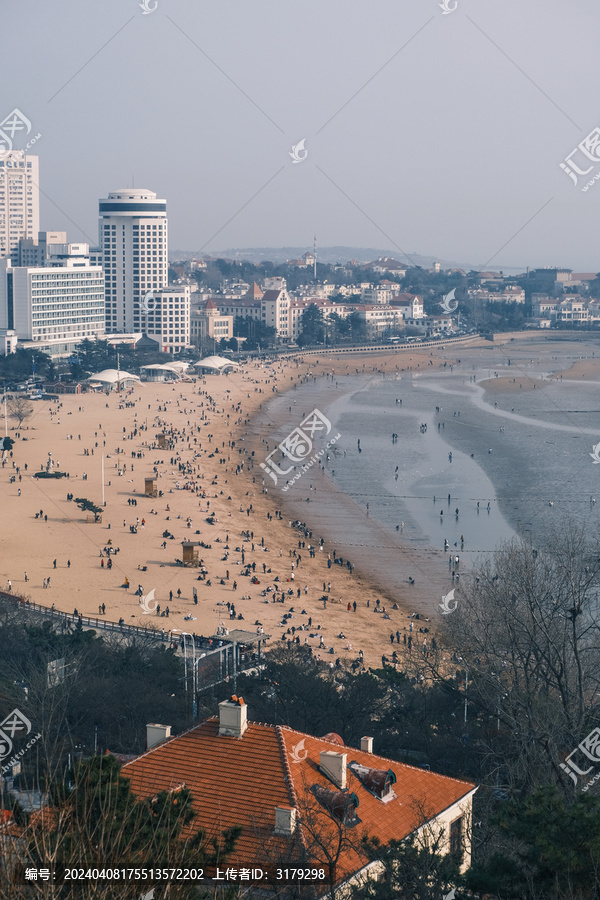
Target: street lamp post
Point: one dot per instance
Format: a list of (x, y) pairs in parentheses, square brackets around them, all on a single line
[(185, 634), (177, 631)]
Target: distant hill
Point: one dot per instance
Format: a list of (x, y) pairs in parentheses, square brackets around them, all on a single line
[(333, 255)]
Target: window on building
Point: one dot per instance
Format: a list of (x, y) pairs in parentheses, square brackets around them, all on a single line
[(456, 836)]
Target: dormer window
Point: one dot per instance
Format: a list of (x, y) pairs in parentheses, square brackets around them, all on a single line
[(377, 781), (342, 805)]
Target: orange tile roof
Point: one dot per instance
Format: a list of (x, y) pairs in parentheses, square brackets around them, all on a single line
[(234, 781), (240, 781), (416, 790)]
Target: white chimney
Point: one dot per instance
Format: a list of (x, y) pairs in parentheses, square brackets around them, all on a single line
[(233, 717), (333, 765), (156, 733), (366, 744), (285, 820)]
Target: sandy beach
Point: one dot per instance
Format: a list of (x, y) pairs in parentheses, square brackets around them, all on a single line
[(208, 472)]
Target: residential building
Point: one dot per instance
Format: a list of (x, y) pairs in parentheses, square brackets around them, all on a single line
[(196, 265), (234, 289), (381, 293), (280, 786), (275, 311), (34, 251), (348, 290), (297, 309), (52, 308), (379, 318), (410, 305), (254, 293), (560, 275), (542, 305), (507, 294), (60, 254), (318, 290), (19, 201), (166, 318), (8, 341), (436, 324), (571, 310), (95, 256), (246, 308), (134, 241), (277, 283), (387, 264), (206, 322), (581, 279)]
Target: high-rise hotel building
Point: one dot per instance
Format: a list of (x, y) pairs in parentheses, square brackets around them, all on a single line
[(53, 306), (19, 201), (133, 239)]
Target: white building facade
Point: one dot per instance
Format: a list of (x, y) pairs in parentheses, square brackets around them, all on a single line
[(52, 308), (19, 201), (134, 241), (380, 318), (275, 307), (168, 320), (208, 323), (299, 307)]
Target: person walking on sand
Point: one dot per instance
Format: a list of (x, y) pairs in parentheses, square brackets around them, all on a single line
[(9, 585), (26, 578)]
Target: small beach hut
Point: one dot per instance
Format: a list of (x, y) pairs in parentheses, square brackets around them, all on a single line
[(150, 487)]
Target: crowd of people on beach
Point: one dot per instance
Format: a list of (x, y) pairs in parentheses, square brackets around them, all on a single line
[(192, 465)]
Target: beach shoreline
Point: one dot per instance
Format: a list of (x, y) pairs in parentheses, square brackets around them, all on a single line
[(214, 436)]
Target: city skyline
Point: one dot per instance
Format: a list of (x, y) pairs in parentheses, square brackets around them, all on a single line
[(454, 136)]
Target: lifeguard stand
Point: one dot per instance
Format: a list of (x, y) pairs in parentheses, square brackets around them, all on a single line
[(161, 440), (190, 556), (150, 489)]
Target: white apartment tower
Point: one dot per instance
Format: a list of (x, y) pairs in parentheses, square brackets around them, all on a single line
[(170, 314), (19, 201), (133, 239)]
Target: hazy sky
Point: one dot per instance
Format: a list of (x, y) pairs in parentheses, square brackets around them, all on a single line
[(437, 134)]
